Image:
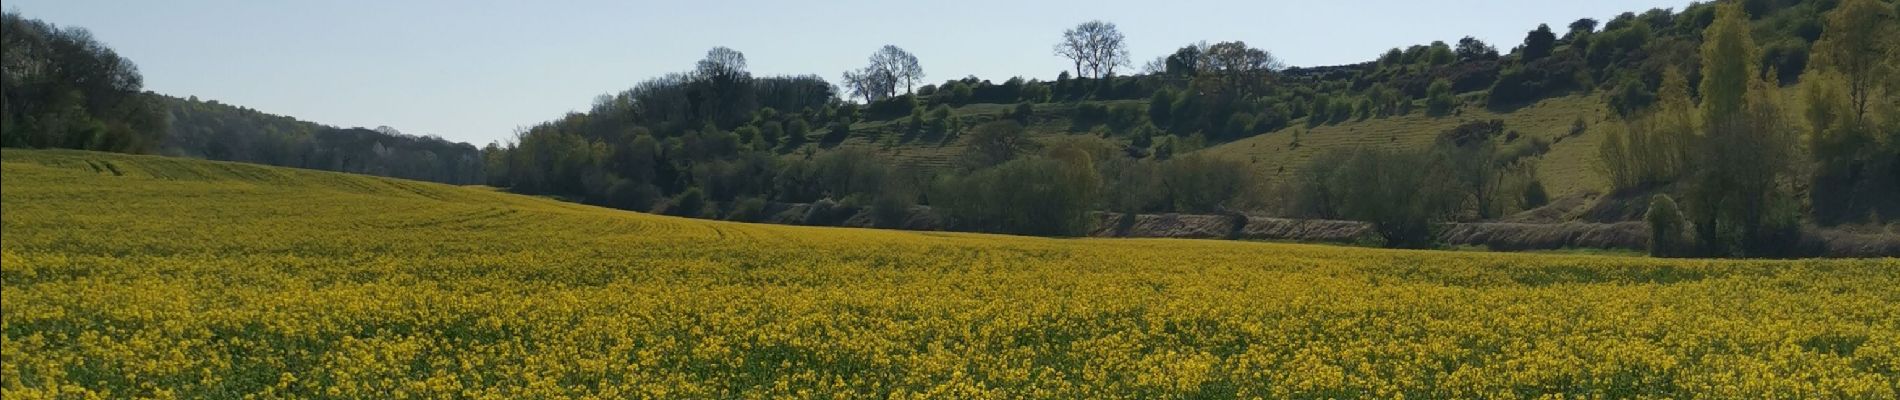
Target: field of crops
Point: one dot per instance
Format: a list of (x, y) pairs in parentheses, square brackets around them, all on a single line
[(132, 276)]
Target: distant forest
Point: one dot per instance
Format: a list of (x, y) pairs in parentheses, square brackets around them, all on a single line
[(1735, 166), (215, 131), (63, 89)]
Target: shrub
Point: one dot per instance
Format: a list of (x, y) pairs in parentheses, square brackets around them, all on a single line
[(1341, 110), (1036, 92), (750, 209), (1472, 132), (750, 135), (939, 121), (1237, 126), (690, 203), (796, 130), (889, 210), (1271, 119), (629, 195), (893, 107), (1438, 99), (916, 123), (826, 212), (1089, 114), (1534, 195), (1533, 147), (1544, 77), (1123, 117), (1160, 105), (773, 132), (1665, 228), (836, 132), (1025, 112)]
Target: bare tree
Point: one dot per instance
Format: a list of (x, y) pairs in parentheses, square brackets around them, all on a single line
[(1075, 47), (871, 83), (1096, 47), (1110, 51), (1157, 66), (898, 64)]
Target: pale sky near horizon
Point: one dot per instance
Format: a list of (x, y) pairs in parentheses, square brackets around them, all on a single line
[(474, 71)]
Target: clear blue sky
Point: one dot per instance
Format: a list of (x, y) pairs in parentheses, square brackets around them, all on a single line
[(475, 70)]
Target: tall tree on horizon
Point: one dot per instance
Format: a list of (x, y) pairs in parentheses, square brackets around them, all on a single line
[(1095, 47), (1239, 66), (1538, 43), (725, 86), (897, 65)]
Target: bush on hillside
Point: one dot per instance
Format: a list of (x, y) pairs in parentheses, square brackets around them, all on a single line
[(690, 203), (1665, 228), (1030, 196), (750, 209)]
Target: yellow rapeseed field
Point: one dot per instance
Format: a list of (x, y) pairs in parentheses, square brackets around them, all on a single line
[(135, 276)]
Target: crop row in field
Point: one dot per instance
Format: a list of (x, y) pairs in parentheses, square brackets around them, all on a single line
[(169, 278)]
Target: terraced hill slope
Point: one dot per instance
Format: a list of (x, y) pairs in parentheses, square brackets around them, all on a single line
[(1569, 167), (137, 276)]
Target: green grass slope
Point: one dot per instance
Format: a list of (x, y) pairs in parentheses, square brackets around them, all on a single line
[(1569, 168), (892, 139)]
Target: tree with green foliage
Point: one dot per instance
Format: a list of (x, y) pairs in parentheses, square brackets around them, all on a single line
[(1400, 193), (727, 94), (1187, 61), (1032, 196), (1580, 28), (1538, 44), (995, 142), (1198, 183), (1472, 49), (1851, 77), (1240, 67), (1476, 176), (1657, 147), (1440, 54), (1739, 201), (63, 89), (1858, 44)]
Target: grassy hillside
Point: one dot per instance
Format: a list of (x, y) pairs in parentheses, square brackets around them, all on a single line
[(1051, 121), (1570, 166), (138, 276)]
